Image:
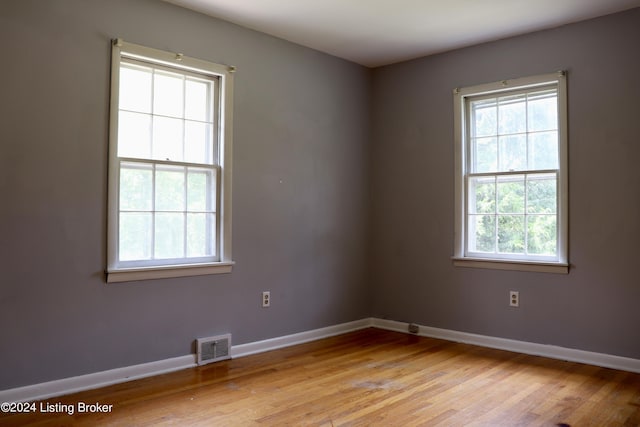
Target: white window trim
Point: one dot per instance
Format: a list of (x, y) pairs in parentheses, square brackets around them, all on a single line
[(225, 73), (460, 259)]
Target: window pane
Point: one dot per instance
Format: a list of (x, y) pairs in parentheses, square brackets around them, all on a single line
[(482, 233), (512, 114), (513, 153), (543, 150), (201, 190), (169, 235), (197, 100), (135, 89), (201, 236), (167, 138), (543, 111), (168, 97), (170, 188), (542, 235), (482, 197), (485, 155), (197, 141), (136, 187), (135, 236), (511, 234), (511, 194), (134, 135), (484, 118), (541, 194)]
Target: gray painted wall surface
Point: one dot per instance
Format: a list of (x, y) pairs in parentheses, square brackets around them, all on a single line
[(595, 307), (301, 117), (343, 192)]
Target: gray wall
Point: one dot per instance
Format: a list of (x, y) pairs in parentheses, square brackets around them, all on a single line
[(301, 117), (343, 192), (593, 308)]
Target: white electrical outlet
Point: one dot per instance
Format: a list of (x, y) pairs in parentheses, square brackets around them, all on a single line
[(266, 299), (514, 298)]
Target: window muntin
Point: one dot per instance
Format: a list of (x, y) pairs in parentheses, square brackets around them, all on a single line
[(511, 184), (513, 214), (513, 132), (166, 115), (509, 133), (167, 212), (169, 205)]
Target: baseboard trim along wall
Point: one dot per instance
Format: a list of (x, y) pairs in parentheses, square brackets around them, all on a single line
[(534, 349), (299, 338), (129, 373), (96, 380), (120, 375)]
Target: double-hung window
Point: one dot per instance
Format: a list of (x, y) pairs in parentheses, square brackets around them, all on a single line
[(511, 175), (170, 165)]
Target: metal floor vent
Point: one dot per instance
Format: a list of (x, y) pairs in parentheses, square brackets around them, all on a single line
[(214, 349)]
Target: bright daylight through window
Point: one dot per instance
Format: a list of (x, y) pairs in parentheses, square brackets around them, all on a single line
[(169, 183), (511, 180)]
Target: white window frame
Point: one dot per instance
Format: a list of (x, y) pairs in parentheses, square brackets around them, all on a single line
[(156, 269), (461, 257)]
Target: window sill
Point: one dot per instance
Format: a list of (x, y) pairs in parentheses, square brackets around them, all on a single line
[(164, 272), (496, 264)]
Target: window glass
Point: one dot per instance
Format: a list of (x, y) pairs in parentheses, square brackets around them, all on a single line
[(165, 168), (511, 192)]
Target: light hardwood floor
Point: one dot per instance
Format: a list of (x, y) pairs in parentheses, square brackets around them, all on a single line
[(370, 377)]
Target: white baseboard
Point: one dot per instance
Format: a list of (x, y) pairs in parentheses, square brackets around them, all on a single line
[(120, 375), (550, 351), (299, 338), (96, 380), (129, 373)]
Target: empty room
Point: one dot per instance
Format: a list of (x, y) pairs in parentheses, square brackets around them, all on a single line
[(355, 212)]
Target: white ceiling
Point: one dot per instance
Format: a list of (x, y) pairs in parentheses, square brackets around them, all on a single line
[(380, 32)]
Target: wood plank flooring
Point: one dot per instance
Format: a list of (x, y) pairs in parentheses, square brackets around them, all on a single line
[(370, 377)]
